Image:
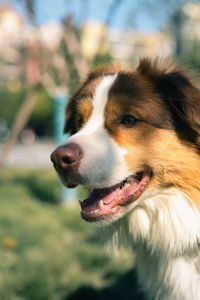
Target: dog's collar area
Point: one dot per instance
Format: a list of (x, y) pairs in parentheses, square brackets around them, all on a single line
[(102, 203)]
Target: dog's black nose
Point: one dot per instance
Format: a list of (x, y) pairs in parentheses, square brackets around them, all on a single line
[(68, 155)]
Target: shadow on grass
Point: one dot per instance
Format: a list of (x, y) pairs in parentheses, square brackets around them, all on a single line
[(42, 185), (124, 288)]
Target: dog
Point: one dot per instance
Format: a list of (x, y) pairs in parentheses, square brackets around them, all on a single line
[(135, 141)]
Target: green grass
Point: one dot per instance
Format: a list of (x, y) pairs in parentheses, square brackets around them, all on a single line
[(46, 251)]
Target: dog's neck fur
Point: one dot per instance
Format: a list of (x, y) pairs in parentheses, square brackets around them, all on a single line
[(165, 232)]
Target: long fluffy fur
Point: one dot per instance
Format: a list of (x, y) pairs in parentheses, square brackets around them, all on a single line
[(164, 232), (163, 225)]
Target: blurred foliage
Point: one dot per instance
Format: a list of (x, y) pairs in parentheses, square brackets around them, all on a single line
[(193, 59), (41, 117), (102, 59), (43, 107), (47, 251), (74, 79), (30, 6), (10, 100), (43, 187)]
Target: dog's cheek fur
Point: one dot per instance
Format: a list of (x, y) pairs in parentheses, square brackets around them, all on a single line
[(173, 162)]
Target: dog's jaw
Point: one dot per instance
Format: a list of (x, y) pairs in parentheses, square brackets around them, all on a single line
[(101, 204)]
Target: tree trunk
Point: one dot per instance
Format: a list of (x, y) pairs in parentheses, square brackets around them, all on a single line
[(19, 123), (74, 47)]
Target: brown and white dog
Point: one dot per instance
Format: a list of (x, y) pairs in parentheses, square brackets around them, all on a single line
[(135, 141)]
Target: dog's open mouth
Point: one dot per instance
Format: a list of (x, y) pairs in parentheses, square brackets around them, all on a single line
[(101, 203)]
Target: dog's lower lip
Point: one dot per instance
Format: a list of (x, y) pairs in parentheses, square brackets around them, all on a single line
[(104, 202)]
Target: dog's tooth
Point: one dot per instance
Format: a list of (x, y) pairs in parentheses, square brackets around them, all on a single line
[(125, 186), (93, 211), (90, 212), (101, 204)]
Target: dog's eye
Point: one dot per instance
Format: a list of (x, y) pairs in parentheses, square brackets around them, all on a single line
[(129, 121)]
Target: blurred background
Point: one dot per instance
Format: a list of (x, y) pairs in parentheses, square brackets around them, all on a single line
[(47, 48)]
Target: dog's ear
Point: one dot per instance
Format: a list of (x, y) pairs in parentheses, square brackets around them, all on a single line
[(70, 117), (180, 92), (183, 95)]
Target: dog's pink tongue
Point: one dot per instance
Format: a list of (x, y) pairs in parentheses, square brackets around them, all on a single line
[(101, 202), (93, 200)]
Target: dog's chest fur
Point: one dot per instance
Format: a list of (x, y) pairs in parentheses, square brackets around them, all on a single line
[(165, 277), (165, 240)]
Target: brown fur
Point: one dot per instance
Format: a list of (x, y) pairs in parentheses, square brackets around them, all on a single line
[(166, 101), (85, 92)]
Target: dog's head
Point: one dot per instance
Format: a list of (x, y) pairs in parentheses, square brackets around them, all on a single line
[(131, 133)]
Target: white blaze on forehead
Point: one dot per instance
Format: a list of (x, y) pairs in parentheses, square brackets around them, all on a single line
[(103, 161), (99, 102)]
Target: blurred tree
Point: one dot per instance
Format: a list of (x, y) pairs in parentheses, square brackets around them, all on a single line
[(40, 119), (102, 59), (14, 99), (19, 122), (112, 11), (177, 21), (150, 9), (194, 58), (61, 69)]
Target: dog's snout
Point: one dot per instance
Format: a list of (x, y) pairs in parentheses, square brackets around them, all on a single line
[(67, 155)]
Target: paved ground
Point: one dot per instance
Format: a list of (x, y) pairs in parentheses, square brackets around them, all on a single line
[(36, 155)]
